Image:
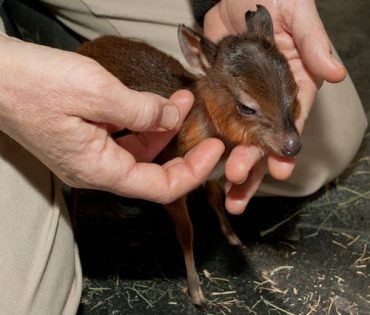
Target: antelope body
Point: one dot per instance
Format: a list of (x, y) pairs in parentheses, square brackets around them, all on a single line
[(244, 93)]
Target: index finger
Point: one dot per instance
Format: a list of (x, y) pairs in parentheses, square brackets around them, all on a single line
[(165, 183), (307, 28)]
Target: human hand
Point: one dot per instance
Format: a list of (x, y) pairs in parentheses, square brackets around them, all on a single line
[(61, 106), (297, 26)]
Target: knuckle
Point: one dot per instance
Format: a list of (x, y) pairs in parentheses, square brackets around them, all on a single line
[(146, 114)]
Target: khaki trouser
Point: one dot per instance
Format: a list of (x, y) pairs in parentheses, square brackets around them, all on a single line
[(40, 271), (38, 257)]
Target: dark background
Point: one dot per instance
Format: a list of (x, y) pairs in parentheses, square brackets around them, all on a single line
[(314, 258)]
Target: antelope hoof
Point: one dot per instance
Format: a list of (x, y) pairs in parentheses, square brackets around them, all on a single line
[(197, 297), (233, 240)]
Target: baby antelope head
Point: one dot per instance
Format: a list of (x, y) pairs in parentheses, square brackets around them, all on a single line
[(246, 85)]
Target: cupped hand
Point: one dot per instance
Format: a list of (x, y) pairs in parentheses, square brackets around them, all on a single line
[(301, 37), (62, 107)]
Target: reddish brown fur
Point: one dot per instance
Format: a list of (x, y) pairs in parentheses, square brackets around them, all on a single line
[(248, 64)]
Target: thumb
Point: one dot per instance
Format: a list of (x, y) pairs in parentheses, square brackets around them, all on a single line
[(145, 146), (314, 45), (141, 111), (123, 107)]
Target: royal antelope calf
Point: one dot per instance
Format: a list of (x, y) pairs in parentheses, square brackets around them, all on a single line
[(244, 93)]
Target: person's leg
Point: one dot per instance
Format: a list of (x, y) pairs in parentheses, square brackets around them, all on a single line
[(32, 22), (40, 271), (154, 22), (334, 129)]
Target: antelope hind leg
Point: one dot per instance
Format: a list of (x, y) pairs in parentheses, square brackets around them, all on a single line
[(215, 199)]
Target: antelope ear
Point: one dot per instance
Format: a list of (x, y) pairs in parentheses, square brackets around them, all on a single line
[(259, 22), (199, 52)]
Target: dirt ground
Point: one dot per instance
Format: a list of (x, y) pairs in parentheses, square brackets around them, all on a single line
[(304, 255)]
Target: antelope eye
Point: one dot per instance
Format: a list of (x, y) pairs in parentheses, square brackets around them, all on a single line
[(244, 109)]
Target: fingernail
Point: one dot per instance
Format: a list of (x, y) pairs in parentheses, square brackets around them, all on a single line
[(236, 207), (170, 117)]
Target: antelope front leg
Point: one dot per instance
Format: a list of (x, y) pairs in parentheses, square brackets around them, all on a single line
[(215, 199), (178, 211)]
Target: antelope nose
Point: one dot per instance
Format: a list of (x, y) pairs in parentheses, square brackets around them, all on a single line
[(291, 144)]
